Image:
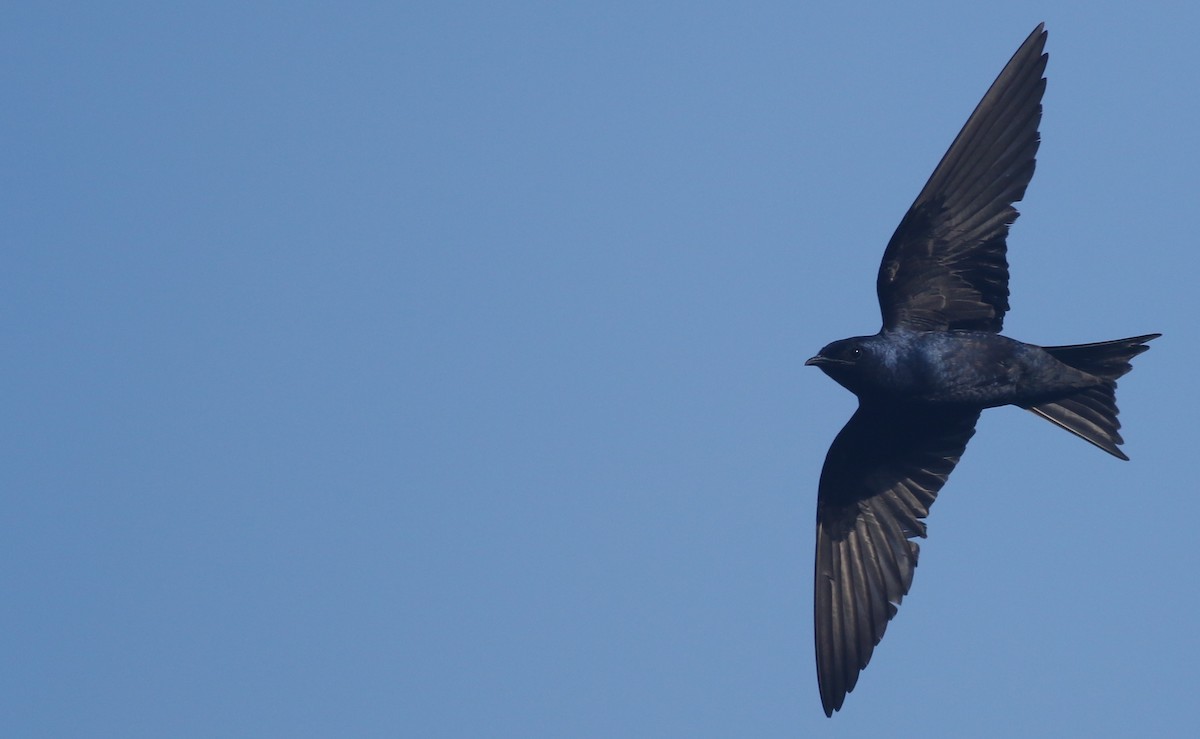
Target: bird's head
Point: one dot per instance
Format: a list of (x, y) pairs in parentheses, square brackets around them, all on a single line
[(847, 361)]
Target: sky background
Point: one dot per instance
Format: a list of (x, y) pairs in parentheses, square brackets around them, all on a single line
[(436, 369)]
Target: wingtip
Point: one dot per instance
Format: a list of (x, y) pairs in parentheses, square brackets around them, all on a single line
[(831, 704), (1037, 38)]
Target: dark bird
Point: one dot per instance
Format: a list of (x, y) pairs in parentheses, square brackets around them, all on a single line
[(936, 363)]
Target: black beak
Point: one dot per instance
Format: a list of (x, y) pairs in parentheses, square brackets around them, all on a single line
[(823, 361)]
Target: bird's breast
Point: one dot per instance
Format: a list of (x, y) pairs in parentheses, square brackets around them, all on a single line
[(964, 368)]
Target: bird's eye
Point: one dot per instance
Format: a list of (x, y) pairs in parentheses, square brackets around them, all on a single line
[(855, 353)]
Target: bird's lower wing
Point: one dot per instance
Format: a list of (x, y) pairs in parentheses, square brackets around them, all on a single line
[(881, 475)]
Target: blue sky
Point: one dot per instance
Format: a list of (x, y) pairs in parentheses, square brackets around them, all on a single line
[(437, 370)]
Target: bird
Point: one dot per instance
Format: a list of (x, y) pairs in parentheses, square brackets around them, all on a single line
[(936, 363)]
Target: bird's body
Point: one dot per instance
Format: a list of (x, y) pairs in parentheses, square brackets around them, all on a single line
[(967, 368), (937, 362)]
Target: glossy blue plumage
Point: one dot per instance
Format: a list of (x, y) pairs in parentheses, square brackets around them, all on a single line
[(936, 364)]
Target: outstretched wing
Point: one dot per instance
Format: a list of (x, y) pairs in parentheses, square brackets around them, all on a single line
[(881, 475), (945, 266)]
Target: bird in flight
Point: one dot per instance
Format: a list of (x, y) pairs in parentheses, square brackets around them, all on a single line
[(936, 363)]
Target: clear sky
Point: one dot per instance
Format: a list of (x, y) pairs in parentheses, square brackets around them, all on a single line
[(436, 370)]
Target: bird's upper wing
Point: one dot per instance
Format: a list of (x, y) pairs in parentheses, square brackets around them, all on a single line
[(945, 266), (882, 473)]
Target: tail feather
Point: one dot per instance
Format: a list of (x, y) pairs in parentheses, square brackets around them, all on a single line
[(1107, 359), (1091, 414)]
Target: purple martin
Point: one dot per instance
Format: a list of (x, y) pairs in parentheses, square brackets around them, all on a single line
[(936, 363)]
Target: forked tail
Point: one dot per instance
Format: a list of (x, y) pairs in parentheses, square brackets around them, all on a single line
[(1091, 414)]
